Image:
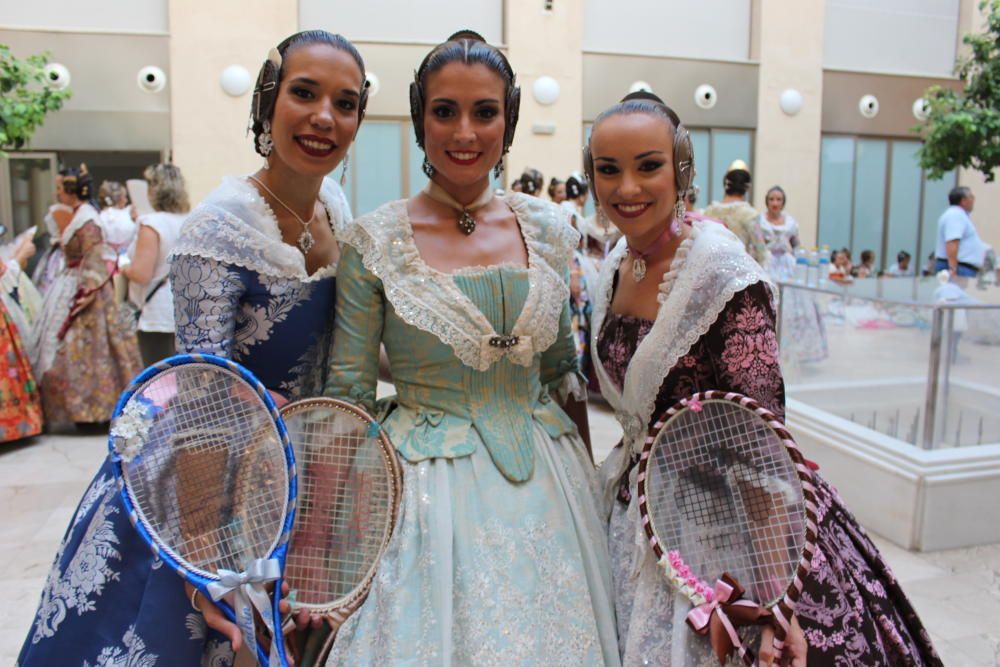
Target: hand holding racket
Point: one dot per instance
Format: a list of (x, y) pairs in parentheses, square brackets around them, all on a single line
[(728, 506), (350, 483), (207, 475)]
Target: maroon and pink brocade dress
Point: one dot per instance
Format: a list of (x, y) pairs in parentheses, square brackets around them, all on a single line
[(852, 610)]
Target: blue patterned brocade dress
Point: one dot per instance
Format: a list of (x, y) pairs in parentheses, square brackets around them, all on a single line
[(241, 293)]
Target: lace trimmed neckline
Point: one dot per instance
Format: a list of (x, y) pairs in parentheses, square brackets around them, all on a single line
[(471, 269), (268, 214), (431, 301)]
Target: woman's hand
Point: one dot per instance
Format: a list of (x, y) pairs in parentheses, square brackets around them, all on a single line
[(214, 617), (794, 653)]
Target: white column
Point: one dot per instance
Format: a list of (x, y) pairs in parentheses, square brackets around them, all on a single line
[(208, 127), (787, 148)]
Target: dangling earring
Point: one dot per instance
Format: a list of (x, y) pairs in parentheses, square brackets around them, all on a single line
[(427, 168), (264, 141), (498, 169), (343, 172), (602, 219), (679, 211)]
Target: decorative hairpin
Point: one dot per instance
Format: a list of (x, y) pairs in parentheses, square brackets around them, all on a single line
[(274, 56)]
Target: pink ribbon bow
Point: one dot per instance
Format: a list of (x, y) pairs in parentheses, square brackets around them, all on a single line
[(719, 617)]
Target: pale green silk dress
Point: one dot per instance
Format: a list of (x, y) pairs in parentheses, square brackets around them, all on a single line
[(499, 557)]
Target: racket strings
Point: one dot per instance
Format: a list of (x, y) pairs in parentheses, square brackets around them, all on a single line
[(723, 491), (211, 481), (347, 500)]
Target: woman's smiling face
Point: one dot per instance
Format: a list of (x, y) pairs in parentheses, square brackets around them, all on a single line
[(464, 123), (315, 114), (634, 171)]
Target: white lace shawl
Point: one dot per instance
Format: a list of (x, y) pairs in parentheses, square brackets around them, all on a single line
[(710, 267), (235, 225), (84, 214), (431, 301)]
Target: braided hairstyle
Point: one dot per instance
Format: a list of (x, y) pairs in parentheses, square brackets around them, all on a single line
[(683, 157), (265, 92), (469, 48)]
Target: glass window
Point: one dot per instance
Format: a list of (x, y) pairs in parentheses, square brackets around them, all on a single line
[(904, 204), (375, 177), (857, 177), (836, 177), (700, 142), (727, 145), (935, 202), (869, 197)]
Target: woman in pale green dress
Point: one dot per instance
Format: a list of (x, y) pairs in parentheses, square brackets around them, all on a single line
[(499, 556)]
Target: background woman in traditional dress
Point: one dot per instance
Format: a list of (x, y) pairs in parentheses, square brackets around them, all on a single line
[(499, 556), (709, 324), (740, 217), (116, 219), (146, 267), (803, 333), (20, 402), (83, 356), (247, 287)]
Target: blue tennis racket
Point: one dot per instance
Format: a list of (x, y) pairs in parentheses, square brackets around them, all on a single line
[(207, 474)]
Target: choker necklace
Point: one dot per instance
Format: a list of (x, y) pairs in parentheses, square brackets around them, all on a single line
[(305, 240), (465, 220), (639, 257)]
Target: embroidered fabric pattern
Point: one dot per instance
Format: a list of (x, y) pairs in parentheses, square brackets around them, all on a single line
[(131, 653), (87, 573), (430, 300), (236, 226)]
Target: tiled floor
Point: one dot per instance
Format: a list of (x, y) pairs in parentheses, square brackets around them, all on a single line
[(956, 592)]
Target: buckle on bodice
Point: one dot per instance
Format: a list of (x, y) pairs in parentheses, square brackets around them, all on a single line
[(504, 342)]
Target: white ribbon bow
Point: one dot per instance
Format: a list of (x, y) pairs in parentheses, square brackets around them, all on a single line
[(251, 594)]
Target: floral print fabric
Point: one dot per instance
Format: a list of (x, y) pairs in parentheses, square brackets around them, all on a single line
[(853, 611), (98, 355)]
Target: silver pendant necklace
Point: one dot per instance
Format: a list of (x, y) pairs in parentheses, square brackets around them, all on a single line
[(305, 240)]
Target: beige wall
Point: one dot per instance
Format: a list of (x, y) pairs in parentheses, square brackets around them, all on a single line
[(207, 125), (425, 22), (787, 148), (546, 44), (109, 16)]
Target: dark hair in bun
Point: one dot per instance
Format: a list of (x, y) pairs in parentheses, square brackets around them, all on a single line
[(78, 182), (265, 92), (736, 182), (576, 185), (531, 181)]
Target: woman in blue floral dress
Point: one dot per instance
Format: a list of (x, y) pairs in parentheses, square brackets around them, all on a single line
[(253, 280)]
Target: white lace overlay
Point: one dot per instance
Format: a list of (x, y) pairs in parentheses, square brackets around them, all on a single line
[(710, 267), (431, 301), (235, 225)]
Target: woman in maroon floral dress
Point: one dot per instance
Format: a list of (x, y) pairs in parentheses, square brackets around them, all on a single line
[(681, 309)]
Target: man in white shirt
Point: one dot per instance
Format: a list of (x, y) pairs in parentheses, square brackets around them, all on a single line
[(959, 248)]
